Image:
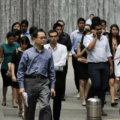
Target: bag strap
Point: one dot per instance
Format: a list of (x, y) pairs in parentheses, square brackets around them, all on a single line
[(16, 51)]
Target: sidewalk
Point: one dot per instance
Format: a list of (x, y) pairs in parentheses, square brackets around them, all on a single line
[(71, 108)]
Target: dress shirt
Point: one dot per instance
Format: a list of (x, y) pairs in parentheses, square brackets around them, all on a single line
[(89, 22), (36, 63), (117, 62), (101, 50), (78, 40), (27, 34), (64, 39), (59, 55), (74, 35)]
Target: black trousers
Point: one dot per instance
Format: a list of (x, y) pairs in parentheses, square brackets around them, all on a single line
[(65, 69), (76, 72), (59, 88), (99, 74)]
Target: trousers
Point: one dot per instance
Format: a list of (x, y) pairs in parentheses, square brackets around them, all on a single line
[(59, 89), (99, 74), (38, 89)]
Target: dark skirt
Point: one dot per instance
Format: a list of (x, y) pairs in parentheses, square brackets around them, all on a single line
[(83, 71), (15, 84), (112, 76), (7, 81)]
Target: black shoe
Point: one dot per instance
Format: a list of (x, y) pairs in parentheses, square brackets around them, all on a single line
[(4, 104), (63, 99), (103, 113), (15, 106), (113, 104), (116, 99)]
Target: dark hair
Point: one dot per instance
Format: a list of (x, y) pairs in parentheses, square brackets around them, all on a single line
[(106, 33), (60, 21), (52, 31), (104, 21), (91, 14), (10, 34), (25, 40), (56, 25), (94, 25), (110, 36), (95, 22), (35, 33), (80, 19), (17, 33), (15, 24), (32, 29), (25, 22), (83, 34)]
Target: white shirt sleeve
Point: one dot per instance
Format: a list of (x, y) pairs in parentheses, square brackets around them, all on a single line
[(116, 62), (108, 50), (72, 39), (86, 41), (62, 61)]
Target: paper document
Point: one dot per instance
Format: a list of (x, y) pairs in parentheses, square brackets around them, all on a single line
[(25, 95)]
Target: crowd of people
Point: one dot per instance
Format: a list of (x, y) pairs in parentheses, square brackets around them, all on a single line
[(36, 64)]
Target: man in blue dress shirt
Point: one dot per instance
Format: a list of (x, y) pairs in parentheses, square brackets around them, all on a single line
[(35, 74)]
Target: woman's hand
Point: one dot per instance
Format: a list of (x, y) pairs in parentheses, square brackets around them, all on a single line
[(14, 78)]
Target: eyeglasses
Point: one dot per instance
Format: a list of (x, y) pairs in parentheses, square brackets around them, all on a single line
[(53, 36), (41, 38)]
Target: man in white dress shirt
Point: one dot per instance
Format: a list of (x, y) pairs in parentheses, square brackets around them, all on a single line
[(59, 52), (89, 21), (99, 62)]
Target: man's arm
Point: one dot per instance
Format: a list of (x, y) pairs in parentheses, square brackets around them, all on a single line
[(72, 42), (109, 55), (117, 66), (51, 72), (69, 46), (88, 43), (21, 70)]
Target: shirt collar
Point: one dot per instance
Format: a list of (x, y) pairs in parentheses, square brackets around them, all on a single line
[(37, 50), (52, 48), (101, 38), (26, 32), (79, 31)]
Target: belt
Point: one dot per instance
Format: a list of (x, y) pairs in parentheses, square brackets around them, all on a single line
[(35, 77), (97, 62)]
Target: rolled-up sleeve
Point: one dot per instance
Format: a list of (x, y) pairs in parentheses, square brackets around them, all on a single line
[(51, 72), (21, 70), (86, 41), (108, 50), (72, 42), (116, 62)]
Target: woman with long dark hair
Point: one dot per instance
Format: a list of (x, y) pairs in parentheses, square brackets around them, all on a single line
[(114, 41), (24, 44), (84, 80)]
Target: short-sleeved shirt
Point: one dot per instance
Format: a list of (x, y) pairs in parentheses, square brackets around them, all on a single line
[(7, 53), (101, 50), (16, 56)]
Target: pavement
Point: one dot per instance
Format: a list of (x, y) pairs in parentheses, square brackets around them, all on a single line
[(71, 108)]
